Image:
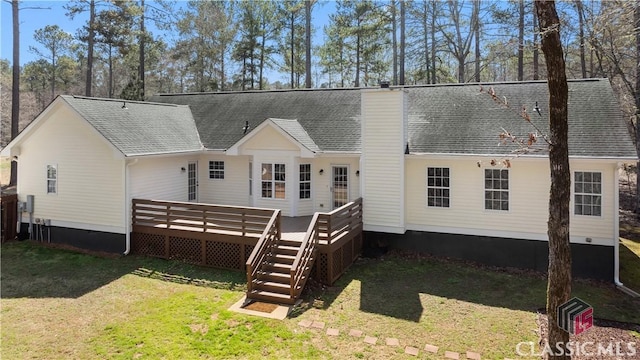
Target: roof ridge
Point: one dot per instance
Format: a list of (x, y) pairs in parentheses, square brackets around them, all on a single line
[(122, 100)]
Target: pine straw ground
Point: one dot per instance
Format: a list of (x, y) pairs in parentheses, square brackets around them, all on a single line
[(620, 340)]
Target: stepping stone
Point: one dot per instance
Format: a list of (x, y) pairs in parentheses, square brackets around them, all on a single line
[(370, 340), (305, 323), (451, 355), (431, 348), (317, 324), (473, 355), (392, 342), (355, 333), (333, 332), (411, 351)]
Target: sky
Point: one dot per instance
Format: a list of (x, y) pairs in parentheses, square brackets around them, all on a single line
[(54, 14)]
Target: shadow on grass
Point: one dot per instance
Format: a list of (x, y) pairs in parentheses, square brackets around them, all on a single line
[(393, 285), (629, 265), (31, 270)]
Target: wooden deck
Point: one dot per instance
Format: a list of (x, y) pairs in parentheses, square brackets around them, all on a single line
[(226, 236)]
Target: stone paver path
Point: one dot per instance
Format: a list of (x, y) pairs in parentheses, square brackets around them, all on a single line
[(390, 341)]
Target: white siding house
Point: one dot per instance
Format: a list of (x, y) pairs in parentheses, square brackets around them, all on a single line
[(420, 157)]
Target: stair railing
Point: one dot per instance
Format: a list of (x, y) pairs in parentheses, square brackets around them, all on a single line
[(304, 259), (267, 241)]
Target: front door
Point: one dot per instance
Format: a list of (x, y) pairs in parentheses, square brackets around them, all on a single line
[(340, 186), (192, 181)]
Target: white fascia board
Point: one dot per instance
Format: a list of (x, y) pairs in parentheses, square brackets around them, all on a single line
[(339, 154), (235, 149), (13, 145), (513, 157), (165, 154)]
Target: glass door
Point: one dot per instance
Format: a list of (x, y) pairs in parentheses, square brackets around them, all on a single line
[(340, 186), (192, 181)]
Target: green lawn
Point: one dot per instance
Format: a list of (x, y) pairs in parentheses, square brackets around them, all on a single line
[(630, 263), (59, 304)]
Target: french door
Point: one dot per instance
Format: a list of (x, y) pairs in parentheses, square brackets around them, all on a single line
[(339, 186), (192, 181)]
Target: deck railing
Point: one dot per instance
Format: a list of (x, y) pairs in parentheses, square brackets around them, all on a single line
[(340, 240), (341, 221), (305, 257), (200, 217), (263, 247)]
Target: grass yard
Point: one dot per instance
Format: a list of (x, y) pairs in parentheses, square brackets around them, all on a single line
[(630, 263), (60, 304)]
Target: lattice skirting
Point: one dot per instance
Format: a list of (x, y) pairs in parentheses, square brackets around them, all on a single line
[(195, 251), (333, 262)]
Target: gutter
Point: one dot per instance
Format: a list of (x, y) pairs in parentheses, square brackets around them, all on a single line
[(127, 207)]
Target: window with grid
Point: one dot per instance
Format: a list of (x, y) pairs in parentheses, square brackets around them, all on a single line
[(588, 193), (438, 190), (496, 189), (273, 181), (52, 179), (216, 169), (305, 181)]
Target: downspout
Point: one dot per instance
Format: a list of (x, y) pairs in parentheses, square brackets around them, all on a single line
[(127, 206), (616, 225)]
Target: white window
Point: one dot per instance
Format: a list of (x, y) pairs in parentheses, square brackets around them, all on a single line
[(52, 179), (588, 193), (438, 191), (305, 181), (496, 189), (273, 181), (216, 169)]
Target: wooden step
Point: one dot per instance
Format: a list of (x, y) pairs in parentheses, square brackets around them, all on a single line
[(279, 277), (271, 286), (270, 297), (282, 259), (276, 267), (286, 250), (293, 243)]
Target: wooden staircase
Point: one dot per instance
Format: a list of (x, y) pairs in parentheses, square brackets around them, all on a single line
[(278, 269)]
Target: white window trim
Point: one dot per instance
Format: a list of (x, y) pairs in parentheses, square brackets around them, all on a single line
[(310, 182), (219, 171), (55, 179), (273, 181), (484, 189), (437, 187), (573, 194)]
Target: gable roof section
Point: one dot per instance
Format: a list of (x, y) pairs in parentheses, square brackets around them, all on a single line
[(330, 117), (140, 128), (443, 118), (290, 129)]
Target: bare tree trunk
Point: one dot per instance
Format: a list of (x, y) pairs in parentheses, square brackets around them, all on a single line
[(425, 30), (536, 52), (308, 43), (636, 18), (521, 40), (559, 278), (90, 43), (402, 39), (433, 40), (141, 68), (583, 62), (476, 7), (15, 85), (292, 47), (394, 42)]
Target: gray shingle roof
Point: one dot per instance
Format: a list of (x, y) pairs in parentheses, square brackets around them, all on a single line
[(443, 118), (330, 117), (142, 128), (296, 131)]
